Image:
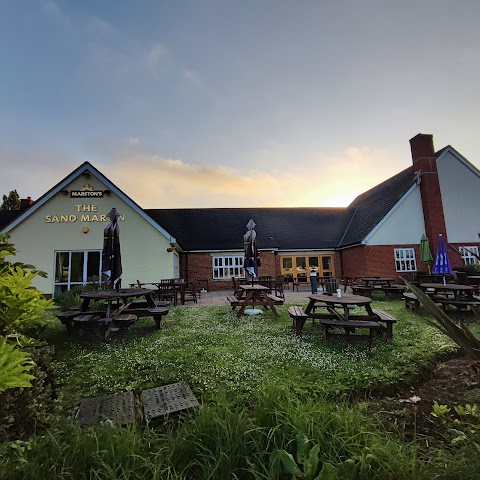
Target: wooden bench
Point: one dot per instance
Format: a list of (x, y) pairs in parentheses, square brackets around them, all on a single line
[(362, 290), (388, 320), (299, 318), (274, 299), (349, 327), (394, 291), (459, 304), (234, 301), (158, 313), (124, 320), (67, 317), (411, 301)]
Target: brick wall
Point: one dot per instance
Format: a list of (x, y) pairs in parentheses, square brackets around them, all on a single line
[(424, 160), (353, 261), (198, 266)]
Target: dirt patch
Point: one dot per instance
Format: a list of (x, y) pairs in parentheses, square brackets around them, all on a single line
[(455, 381)]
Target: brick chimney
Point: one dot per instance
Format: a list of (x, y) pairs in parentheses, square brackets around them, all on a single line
[(25, 203), (424, 161)]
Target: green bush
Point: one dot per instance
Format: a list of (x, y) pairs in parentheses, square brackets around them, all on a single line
[(469, 269), (24, 410)]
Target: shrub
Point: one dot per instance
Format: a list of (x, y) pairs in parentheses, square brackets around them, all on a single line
[(24, 410)]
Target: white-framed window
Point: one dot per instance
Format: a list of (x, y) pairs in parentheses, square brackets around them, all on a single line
[(227, 266), (405, 260), (76, 267), (468, 255)]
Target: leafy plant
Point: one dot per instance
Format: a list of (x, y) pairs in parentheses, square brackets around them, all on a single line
[(14, 365), (21, 304), (306, 465), (24, 410), (459, 333)]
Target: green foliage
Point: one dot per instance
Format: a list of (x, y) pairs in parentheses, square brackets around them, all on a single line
[(459, 333), (21, 304), (71, 298), (10, 201), (307, 463), (24, 410), (469, 269), (14, 366), (440, 410)]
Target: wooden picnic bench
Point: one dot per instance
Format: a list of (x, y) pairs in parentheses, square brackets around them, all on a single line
[(350, 326), (459, 303), (299, 318), (388, 320), (393, 291), (275, 300), (411, 301), (362, 290), (234, 301)]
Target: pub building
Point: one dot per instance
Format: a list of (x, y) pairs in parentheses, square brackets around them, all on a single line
[(379, 233)]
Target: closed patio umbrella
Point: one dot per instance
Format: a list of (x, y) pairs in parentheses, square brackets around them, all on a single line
[(111, 255), (442, 262), (252, 260), (425, 253)]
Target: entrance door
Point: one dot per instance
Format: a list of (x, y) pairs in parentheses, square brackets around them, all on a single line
[(298, 267)]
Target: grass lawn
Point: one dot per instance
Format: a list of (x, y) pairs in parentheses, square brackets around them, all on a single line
[(212, 350), (272, 405)]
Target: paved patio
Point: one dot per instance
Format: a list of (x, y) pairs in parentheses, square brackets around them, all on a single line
[(220, 297)]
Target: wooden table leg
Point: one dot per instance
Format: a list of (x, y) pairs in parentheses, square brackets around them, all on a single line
[(265, 300), (249, 296)]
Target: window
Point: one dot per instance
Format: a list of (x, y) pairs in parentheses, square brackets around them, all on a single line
[(405, 260), (76, 268), (226, 267), (468, 255)]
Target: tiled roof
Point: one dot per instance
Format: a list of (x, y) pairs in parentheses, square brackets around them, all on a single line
[(368, 209), (283, 228)]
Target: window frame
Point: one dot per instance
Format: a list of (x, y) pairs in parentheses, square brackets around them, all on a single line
[(234, 269), (466, 255), (400, 255), (69, 283)]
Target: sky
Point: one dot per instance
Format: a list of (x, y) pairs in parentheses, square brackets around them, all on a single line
[(222, 103)]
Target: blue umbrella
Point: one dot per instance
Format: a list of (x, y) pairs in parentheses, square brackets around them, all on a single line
[(442, 262)]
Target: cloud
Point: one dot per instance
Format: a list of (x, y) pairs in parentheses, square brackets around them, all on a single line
[(98, 26), (55, 12), (155, 56), (132, 141), (157, 182), (192, 76)]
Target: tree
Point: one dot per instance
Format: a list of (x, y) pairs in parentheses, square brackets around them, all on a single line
[(11, 202)]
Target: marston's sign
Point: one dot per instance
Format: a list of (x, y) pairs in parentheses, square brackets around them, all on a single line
[(86, 191)]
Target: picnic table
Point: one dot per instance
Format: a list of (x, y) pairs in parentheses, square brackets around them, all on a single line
[(170, 288), (459, 296), (120, 313), (339, 314), (255, 295), (377, 282)]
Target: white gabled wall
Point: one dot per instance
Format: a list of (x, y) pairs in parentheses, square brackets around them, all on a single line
[(405, 225), (144, 248), (460, 184)]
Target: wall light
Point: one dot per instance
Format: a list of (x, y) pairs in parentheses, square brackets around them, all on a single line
[(170, 249), (85, 229)]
